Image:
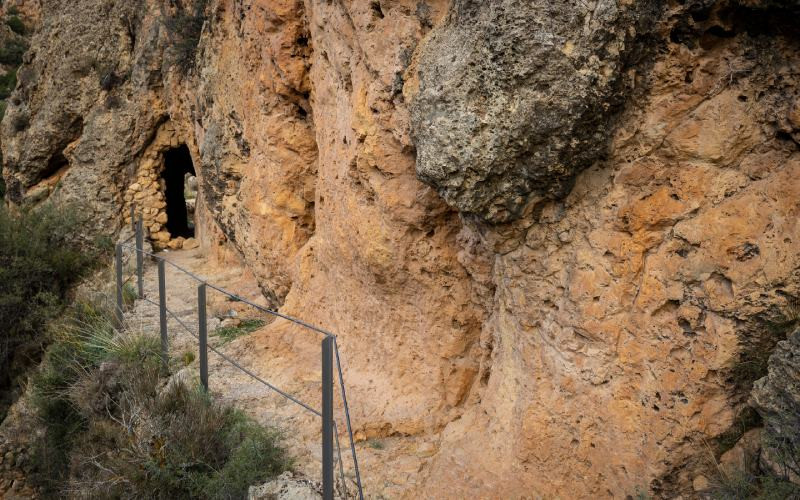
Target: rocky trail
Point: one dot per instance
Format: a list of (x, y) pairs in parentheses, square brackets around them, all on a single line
[(226, 382), (281, 353)]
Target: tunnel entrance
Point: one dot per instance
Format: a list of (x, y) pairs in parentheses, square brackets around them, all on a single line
[(180, 191)]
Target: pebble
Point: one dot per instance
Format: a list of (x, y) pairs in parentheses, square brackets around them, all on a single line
[(700, 483)]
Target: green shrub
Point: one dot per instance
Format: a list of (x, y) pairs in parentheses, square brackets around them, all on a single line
[(112, 428), (11, 53), (13, 11), (229, 333), (16, 25), (8, 83), (39, 260), (207, 450), (74, 351), (185, 27)]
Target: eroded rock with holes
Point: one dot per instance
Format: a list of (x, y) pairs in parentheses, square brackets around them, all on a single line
[(516, 98)]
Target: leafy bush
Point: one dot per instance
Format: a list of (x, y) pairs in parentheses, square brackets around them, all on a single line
[(11, 53), (185, 27), (39, 261), (113, 429), (7, 84), (16, 25)]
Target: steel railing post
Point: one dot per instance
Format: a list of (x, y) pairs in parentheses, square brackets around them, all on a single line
[(327, 418), (162, 312), (118, 318), (140, 256), (202, 331), (133, 217)]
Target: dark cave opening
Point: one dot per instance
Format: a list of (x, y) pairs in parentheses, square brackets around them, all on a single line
[(177, 164)]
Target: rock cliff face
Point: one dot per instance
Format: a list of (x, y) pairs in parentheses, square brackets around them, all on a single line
[(548, 234)]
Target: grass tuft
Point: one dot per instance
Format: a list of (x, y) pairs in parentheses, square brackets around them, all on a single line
[(246, 326)]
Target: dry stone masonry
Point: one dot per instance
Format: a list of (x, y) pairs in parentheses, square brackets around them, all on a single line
[(146, 194)]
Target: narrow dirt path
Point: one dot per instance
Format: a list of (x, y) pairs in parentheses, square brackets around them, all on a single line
[(227, 383)]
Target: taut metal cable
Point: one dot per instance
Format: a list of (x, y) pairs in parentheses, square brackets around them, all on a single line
[(239, 298), (240, 367), (282, 393), (129, 238), (347, 419), (270, 311)]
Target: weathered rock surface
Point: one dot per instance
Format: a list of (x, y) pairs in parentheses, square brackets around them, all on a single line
[(587, 348), (528, 104), (744, 456), (285, 487), (74, 127), (777, 399)]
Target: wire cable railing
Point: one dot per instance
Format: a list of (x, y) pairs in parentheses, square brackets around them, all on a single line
[(329, 351)]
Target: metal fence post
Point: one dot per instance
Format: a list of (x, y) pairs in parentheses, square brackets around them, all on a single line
[(133, 217), (327, 418), (140, 256), (118, 266), (202, 334), (162, 312)]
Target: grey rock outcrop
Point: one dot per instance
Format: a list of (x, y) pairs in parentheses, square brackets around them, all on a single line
[(516, 97), (285, 487), (777, 398), (86, 103)]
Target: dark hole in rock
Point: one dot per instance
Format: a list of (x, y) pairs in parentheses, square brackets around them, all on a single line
[(178, 163), (701, 15), (376, 8), (56, 163), (720, 32)]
